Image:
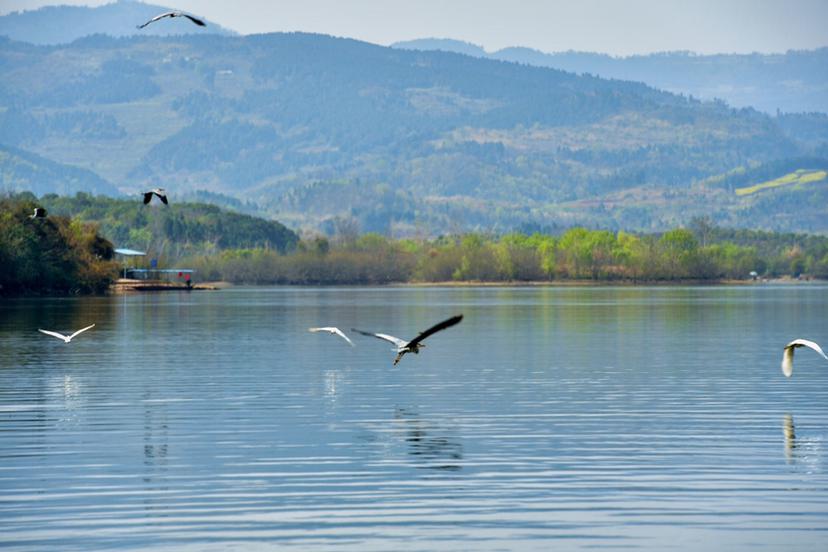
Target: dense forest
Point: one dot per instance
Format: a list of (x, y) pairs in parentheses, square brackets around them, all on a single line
[(54, 255), (172, 230), (68, 253), (699, 253), (790, 82)]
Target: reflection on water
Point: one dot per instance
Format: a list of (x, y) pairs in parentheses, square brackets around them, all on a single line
[(790, 437), (426, 445), (573, 418), (805, 452)]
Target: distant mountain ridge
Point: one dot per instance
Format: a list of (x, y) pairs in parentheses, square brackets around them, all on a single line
[(326, 133), (51, 25), (23, 171), (796, 81)]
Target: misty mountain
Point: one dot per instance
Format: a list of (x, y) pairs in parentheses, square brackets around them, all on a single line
[(22, 171), (323, 132), (796, 81), (64, 24), (442, 45)]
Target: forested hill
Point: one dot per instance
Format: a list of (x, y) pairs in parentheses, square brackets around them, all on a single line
[(319, 130), (22, 171), (176, 229), (794, 81)]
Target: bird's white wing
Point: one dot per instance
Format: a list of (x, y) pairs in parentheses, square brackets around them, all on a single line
[(54, 334), (156, 18), (395, 340), (333, 330), (809, 344), (788, 355), (787, 361), (341, 334), (81, 331), (399, 343)]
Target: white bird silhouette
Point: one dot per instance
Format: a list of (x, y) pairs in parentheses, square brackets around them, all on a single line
[(415, 344), (788, 355), (162, 195), (39, 212), (63, 337), (334, 331), (195, 20)]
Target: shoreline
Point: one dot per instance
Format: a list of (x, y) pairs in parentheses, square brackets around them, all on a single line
[(612, 283), (543, 283), (143, 286), (124, 285)]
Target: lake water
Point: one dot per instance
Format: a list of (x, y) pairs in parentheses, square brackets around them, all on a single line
[(549, 419)]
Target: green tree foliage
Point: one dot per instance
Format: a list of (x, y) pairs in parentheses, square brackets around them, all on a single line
[(173, 230), (50, 255), (579, 254)]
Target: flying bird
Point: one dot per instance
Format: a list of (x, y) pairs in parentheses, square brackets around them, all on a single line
[(334, 331), (195, 20), (63, 337), (162, 195), (788, 355), (39, 212), (415, 344)]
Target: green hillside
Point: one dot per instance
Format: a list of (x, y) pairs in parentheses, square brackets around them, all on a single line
[(793, 81), (174, 230), (317, 130)]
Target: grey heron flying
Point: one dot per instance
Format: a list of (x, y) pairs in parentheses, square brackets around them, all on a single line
[(788, 355), (415, 344), (334, 331), (63, 337), (162, 195), (39, 212), (195, 20)]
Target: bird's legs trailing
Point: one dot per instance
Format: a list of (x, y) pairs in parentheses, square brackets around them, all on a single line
[(399, 356)]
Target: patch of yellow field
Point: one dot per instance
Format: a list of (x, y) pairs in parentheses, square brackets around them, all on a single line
[(801, 176)]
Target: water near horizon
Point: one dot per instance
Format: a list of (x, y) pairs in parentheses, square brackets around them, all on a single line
[(552, 418)]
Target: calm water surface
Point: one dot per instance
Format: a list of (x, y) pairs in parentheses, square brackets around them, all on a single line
[(551, 418)]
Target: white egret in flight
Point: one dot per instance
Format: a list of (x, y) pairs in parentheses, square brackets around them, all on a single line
[(415, 344), (788, 355), (334, 331), (63, 337), (195, 20)]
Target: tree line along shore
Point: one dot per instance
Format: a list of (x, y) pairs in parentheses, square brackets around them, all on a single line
[(70, 254)]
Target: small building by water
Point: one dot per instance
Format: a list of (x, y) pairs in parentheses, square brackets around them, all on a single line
[(139, 275)]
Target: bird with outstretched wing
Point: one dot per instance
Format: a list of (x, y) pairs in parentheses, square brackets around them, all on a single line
[(413, 346)]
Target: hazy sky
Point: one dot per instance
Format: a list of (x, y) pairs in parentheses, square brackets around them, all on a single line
[(619, 27)]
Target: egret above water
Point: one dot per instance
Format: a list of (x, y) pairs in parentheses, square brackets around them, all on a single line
[(63, 337), (415, 344), (788, 355), (334, 331)]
